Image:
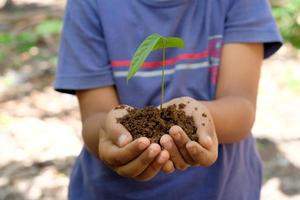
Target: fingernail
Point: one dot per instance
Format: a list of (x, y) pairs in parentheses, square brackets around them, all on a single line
[(122, 140), (142, 145), (206, 141), (152, 153), (208, 138), (176, 135), (167, 145)]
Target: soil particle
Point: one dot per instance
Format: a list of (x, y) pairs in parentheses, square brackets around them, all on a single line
[(182, 106), (204, 115), (152, 123)]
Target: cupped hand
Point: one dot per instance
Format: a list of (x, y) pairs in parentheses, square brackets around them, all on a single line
[(183, 151), (138, 158)]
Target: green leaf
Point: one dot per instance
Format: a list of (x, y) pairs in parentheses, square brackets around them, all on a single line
[(48, 28), (172, 42), (142, 53)]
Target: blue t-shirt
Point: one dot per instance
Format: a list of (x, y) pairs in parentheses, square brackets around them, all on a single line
[(98, 41)]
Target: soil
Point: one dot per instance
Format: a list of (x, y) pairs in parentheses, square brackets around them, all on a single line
[(151, 122)]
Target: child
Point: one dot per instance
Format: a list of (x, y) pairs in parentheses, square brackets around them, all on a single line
[(217, 72)]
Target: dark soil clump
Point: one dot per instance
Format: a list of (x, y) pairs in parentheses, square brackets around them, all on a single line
[(152, 123), (182, 106)]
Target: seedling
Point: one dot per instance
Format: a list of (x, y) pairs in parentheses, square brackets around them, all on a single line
[(152, 43)]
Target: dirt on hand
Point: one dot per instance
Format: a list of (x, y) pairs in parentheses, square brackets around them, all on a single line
[(151, 122)]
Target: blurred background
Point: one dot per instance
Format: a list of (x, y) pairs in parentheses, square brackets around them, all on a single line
[(40, 128)]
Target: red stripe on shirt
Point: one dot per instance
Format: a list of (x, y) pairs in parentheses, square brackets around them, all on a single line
[(171, 61)]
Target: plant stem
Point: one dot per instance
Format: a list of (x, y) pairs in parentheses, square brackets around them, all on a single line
[(163, 73)]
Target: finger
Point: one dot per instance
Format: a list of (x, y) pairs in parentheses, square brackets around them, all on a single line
[(168, 167), (120, 135), (175, 156), (180, 139), (200, 155), (204, 139), (116, 156), (154, 167), (117, 132), (138, 165), (205, 129)]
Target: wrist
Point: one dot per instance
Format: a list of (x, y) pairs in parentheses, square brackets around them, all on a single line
[(233, 117), (91, 128)]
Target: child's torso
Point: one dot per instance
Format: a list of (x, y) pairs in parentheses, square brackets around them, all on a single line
[(191, 71)]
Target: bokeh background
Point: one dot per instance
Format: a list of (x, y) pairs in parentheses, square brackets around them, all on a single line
[(40, 128)]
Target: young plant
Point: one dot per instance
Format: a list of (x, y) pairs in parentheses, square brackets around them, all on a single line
[(152, 43)]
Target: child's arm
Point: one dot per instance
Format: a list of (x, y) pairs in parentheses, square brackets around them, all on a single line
[(233, 110), (93, 113), (104, 137)]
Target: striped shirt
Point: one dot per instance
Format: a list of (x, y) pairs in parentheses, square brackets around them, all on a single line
[(100, 37)]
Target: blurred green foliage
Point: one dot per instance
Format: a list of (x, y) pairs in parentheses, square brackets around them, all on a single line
[(288, 18), (30, 37), (15, 43), (49, 27)]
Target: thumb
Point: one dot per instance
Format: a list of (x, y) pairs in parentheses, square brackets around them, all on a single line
[(120, 135), (205, 139), (116, 132)]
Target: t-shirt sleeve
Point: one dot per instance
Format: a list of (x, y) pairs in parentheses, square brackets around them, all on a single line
[(251, 21), (83, 59)]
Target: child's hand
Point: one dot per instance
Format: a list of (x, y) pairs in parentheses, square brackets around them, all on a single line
[(183, 151), (137, 159)]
